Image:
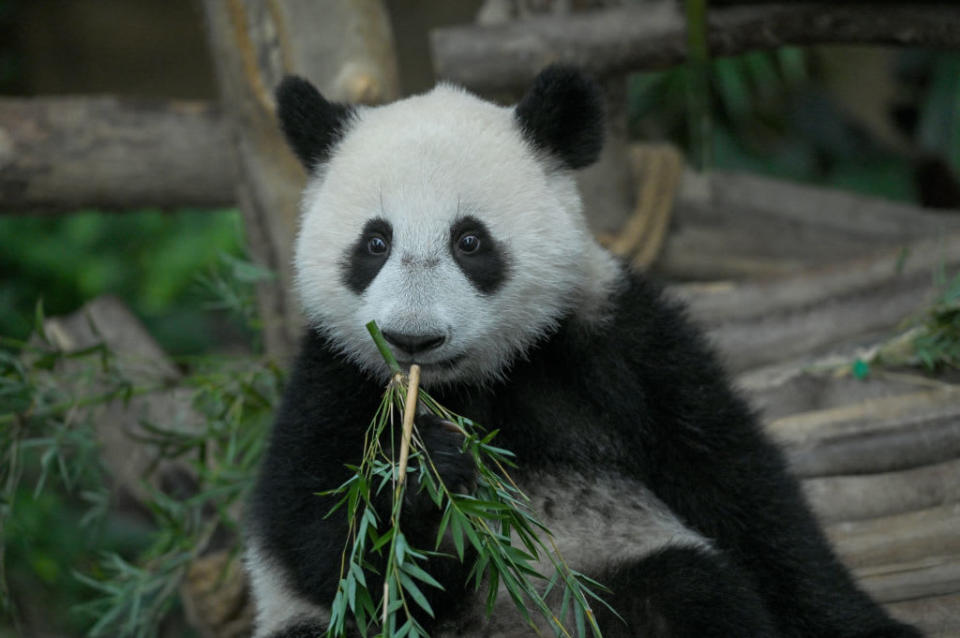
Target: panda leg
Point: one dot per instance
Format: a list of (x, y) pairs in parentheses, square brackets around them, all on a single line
[(681, 592)]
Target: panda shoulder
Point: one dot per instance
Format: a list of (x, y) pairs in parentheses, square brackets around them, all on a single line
[(653, 324)]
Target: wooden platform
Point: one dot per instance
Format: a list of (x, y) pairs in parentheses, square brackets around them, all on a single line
[(792, 288)]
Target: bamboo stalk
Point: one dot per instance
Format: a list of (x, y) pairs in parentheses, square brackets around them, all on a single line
[(409, 411), (384, 349)]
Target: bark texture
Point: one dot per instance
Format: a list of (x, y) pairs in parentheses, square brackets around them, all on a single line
[(645, 36), (346, 49), (65, 153)]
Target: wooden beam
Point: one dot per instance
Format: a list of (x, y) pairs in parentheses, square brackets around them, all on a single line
[(878, 435), (731, 225), (859, 497), (900, 539), (936, 616), (65, 153), (758, 323), (648, 36), (931, 576)]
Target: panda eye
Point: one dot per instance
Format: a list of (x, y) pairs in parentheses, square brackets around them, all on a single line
[(377, 245), (468, 243)]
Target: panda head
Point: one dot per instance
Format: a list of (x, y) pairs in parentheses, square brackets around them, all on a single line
[(451, 221)]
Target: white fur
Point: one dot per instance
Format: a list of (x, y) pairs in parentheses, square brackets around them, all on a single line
[(278, 606), (422, 163), (597, 522)]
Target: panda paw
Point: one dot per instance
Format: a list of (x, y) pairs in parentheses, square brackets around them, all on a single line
[(444, 443)]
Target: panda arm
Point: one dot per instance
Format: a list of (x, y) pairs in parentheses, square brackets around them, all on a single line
[(706, 457), (319, 429)]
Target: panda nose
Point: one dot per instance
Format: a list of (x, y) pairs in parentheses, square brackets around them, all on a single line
[(414, 344)]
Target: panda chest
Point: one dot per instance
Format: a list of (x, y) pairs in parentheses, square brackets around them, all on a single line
[(601, 521)]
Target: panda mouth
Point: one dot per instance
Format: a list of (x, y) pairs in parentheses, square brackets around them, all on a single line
[(444, 364)]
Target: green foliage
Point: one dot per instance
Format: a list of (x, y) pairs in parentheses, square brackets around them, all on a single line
[(49, 452), (493, 527), (148, 258), (929, 340), (939, 126), (235, 401), (937, 340), (770, 115)]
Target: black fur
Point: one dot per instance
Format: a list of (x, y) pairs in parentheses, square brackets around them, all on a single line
[(562, 115), (359, 266), (487, 268), (683, 592), (312, 125), (639, 396)]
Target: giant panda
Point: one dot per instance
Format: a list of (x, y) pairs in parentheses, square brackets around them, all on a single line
[(456, 224)]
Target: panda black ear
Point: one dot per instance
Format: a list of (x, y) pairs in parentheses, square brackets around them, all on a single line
[(311, 124), (562, 114)]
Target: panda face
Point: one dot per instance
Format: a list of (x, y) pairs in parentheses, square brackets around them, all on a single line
[(438, 218)]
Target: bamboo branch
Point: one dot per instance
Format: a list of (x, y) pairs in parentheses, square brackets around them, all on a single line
[(382, 346)]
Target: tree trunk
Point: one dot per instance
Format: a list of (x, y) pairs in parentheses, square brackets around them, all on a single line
[(346, 49)]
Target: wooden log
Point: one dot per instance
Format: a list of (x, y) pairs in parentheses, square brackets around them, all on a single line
[(877, 435), (859, 497), (835, 210), (215, 589), (649, 36), (140, 360), (900, 539), (932, 576), (936, 616), (346, 49), (810, 384), (758, 323), (64, 153), (734, 226)]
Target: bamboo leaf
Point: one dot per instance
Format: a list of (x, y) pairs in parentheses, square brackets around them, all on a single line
[(412, 569), (579, 620), (411, 588), (456, 533)]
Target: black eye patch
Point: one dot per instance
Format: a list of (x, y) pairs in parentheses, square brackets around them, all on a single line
[(482, 259), (364, 259)]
